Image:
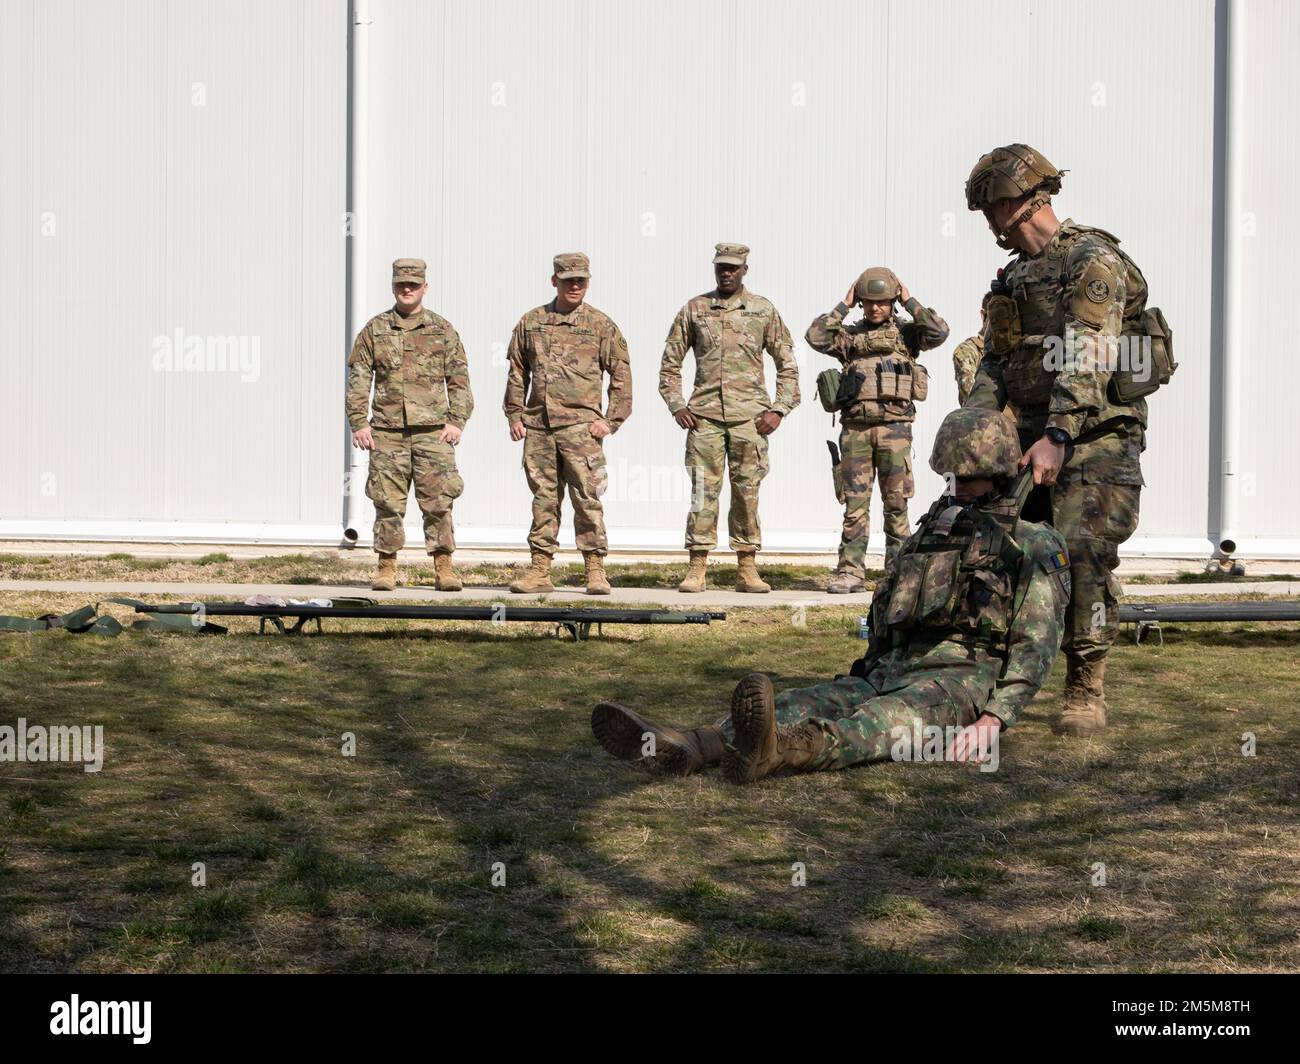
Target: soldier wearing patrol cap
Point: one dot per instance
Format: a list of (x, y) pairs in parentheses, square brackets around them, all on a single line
[(882, 381), (729, 415), (1054, 319), (421, 402), (559, 355)]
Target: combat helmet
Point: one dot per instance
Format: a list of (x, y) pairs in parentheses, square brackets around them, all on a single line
[(876, 285), (1009, 173), (976, 443)]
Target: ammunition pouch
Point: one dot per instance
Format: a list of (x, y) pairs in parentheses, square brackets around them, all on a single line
[(882, 379), (1003, 323)]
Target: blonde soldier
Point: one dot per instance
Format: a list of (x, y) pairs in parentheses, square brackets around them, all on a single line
[(729, 415), (558, 355), (881, 379), (422, 401)]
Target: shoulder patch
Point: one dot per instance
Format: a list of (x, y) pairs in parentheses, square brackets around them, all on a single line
[(1098, 290), (1094, 292)]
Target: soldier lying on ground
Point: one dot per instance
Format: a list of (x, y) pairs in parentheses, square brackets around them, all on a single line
[(965, 628)]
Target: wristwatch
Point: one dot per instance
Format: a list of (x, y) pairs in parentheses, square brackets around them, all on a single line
[(1057, 436)]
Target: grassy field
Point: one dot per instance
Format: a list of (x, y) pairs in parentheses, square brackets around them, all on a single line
[(473, 750)]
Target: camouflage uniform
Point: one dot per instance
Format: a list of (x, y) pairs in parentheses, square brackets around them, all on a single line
[(557, 363), (876, 432), (729, 337), (1079, 285), (421, 383), (967, 621), (965, 361)]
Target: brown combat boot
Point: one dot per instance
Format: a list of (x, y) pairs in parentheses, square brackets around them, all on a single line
[(846, 582), (597, 581), (631, 737), (537, 577), (447, 580), (695, 574), (761, 747), (747, 578), (386, 575), (1085, 697)]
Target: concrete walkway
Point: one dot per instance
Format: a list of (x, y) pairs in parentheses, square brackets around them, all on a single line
[(622, 596)]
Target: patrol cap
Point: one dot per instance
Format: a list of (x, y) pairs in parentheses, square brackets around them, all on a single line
[(411, 270), (571, 264), (733, 254), (877, 285)]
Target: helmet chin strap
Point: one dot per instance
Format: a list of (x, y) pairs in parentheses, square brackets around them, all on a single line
[(1036, 203)]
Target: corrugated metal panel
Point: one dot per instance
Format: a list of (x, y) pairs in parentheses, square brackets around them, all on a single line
[(828, 135)]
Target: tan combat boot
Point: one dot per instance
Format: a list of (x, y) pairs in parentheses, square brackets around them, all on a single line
[(1085, 697), (695, 574), (447, 580), (386, 575), (747, 578), (597, 581), (537, 577), (631, 737), (846, 582), (761, 747)]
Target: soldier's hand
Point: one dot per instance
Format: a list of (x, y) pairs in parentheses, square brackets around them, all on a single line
[(903, 294), (768, 422), (517, 431), (600, 428), (974, 742), (450, 434), (851, 296), (1047, 458), (362, 439), (686, 419)]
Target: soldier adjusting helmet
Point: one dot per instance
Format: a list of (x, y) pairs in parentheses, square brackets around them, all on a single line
[(1009, 173), (877, 285), (976, 443)]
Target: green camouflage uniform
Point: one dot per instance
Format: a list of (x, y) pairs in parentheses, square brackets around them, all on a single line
[(557, 364), (962, 625), (965, 361), (729, 337), (875, 432), (1079, 284), (421, 383)]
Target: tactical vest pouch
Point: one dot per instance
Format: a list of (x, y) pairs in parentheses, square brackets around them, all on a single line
[(1003, 319), (1142, 372), (925, 590), (920, 382), (1028, 381), (828, 389)]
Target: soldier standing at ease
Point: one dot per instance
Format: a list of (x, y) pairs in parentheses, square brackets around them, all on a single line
[(422, 401), (1069, 289), (559, 354), (729, 416), (878, 353), (966, 360)]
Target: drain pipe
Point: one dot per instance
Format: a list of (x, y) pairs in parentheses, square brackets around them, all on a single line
[(358, 104), (1229, 390)]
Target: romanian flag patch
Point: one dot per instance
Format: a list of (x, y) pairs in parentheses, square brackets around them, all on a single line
[(1059, 560)]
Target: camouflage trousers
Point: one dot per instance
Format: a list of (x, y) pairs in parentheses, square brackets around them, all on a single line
[(400, 457), (882, 452), (553, 459), (1094, 505), (737, 447), (860, 724)]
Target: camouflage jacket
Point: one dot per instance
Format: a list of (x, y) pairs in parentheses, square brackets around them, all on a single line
[(981, 615), (557, 364), (849, 343), (1079, 288), (729, 338), (419, 372), (965, 361)]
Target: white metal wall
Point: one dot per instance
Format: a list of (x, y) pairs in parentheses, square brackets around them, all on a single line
[(828, 135)]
